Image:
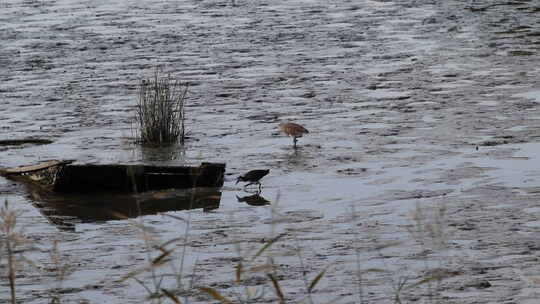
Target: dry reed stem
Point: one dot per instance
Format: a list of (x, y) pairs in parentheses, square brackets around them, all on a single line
[(60, 269), (11, 240)]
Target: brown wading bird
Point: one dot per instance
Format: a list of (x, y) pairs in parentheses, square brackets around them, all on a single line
[(293, 130), (253, 177)]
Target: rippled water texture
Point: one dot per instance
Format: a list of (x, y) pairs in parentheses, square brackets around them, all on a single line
[(408, 103)]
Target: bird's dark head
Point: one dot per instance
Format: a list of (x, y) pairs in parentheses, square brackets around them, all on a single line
[(239, 179)]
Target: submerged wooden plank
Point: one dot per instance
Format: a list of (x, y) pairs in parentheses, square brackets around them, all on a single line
[(33, 168)]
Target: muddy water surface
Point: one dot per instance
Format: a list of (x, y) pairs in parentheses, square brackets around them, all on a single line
[(428, 104)]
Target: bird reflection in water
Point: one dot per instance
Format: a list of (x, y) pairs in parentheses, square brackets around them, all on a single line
[(253, 200)]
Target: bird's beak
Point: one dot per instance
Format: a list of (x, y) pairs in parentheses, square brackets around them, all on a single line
[(237, 180)]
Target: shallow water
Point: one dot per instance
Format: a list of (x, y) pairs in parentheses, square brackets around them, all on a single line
[(407, 104)]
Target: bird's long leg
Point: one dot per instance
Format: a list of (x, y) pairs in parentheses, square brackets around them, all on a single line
[(251, 191), (294, 141)]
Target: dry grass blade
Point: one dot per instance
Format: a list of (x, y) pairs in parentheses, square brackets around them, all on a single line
[(118, 215), (424, 281), (435, 277), (384, 246), (254, 292), (161, 257), (171, 296), (261, 268), (268, 244), (143, 285), (378, 270), (239, 271), (146, 237), (317, 279), (29, 262), (277, 288), (167, 243), (135, 273), (215, 294), (174, 217), (122, 216)]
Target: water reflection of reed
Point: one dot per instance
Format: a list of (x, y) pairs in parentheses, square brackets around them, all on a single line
[(169, 153)]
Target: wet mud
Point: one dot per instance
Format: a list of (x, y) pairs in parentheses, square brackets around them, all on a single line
[(425, 110)]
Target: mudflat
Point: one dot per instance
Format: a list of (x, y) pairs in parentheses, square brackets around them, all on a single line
[(419, 177)]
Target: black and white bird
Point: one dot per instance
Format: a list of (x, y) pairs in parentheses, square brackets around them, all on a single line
[(253, 177)]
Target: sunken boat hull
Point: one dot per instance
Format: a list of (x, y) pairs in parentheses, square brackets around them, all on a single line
[(65, 177), (67, 193)]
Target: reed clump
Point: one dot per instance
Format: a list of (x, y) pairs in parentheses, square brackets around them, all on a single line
[(160, 116)]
